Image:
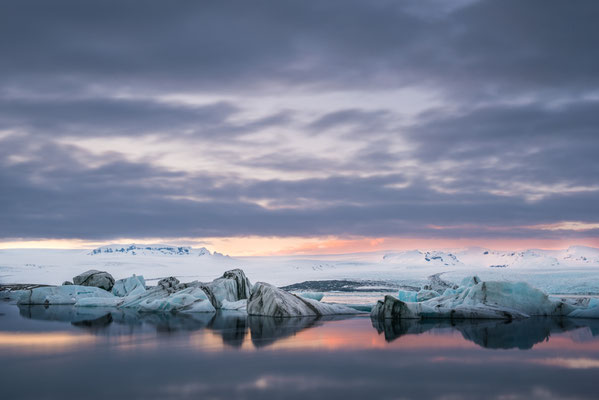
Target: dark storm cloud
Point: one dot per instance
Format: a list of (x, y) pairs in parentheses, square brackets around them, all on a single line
[(531, 143), (484, 48)]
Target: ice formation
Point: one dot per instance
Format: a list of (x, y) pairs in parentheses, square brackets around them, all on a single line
[(311, 295), (229, 292), (129, 286), (268, 300), (476, 299), (94, 278), (169, 295), (68, 294)]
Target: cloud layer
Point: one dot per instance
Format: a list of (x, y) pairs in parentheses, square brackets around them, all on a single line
[(298, 119)]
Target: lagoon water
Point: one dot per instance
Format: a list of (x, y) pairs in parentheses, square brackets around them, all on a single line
[(61, 352)]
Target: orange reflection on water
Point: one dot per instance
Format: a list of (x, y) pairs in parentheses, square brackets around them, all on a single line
[(347, 335), (44, 341), (570, 363)]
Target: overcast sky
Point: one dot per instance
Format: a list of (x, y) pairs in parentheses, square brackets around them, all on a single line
[(207, 119)]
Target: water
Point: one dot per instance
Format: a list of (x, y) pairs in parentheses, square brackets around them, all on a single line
[(61, 352)]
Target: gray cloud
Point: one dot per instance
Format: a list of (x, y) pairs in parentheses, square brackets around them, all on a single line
[(121, 198), (484, 48), (512, 140)]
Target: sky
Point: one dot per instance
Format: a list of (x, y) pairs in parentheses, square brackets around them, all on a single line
[(299, 126)]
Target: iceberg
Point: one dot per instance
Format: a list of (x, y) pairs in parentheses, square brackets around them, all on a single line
[(168, 296), (68, 294), (268, 300), (477, 299), (190, 300), (129, 286), (240, 305), (311, 295), (95, 278), (232, 286), (407, 296)]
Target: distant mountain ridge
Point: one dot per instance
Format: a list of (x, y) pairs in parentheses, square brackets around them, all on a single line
[(481, 257), (149, 250)]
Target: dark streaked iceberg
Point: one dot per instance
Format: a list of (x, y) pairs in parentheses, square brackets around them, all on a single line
[(268, 300)]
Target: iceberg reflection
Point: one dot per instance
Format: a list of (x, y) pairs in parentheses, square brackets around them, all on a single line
[(237, 330), (491, 334)]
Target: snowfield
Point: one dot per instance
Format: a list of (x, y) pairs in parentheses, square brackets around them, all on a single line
[(571, 271)]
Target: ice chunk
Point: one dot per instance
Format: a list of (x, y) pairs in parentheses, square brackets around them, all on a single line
[(449, 292), (407, 296), (68, 294), (269, 300), (182, 300), (129, 286), (95, 278), (424, 295), (470, 281), (185, 300), (232, 286), (240, 305), (113, 301), (477, 299), (311, 295)]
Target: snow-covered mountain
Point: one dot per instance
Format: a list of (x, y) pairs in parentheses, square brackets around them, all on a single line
[(477, 257), (149, 250), (418, 258), (581, 255)]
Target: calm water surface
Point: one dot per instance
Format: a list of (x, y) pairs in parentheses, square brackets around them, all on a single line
[(60, 353)]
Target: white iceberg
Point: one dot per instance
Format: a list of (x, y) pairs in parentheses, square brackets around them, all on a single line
[(135, 284), (68, 294), (240, 305), (189, 299)]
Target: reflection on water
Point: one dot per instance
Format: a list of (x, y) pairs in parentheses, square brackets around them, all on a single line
[(235, 327), (123, 354), (492, 334)]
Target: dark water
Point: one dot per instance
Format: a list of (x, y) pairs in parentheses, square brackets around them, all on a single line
[(62, 353)]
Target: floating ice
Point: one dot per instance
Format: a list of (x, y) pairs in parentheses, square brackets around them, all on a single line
[(129, 286), (407, 296), (95, 278), (240, 305), (184, 300), (268, 300), (479, 299), (311, 295), (68, 294)]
